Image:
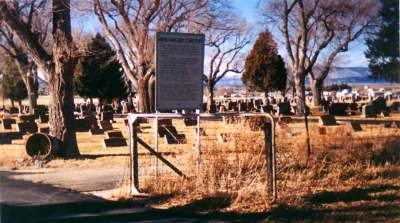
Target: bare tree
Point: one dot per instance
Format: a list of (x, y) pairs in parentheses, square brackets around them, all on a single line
[(58, 66), (131, 25), (225, 44), (309, 28), (26, 67), (356, 17)]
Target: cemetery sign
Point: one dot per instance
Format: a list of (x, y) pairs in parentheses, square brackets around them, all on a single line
[(179, 71)]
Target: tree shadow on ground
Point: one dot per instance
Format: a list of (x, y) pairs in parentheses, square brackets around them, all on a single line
[(317, 208)]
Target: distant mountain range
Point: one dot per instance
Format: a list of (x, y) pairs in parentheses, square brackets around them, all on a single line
[(349, 75)]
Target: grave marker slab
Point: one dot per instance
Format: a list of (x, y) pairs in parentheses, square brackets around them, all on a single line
[(327, 120), (27, 127), (114, 142), (368, 111), (114, 134), (96, 131), (7, 123)]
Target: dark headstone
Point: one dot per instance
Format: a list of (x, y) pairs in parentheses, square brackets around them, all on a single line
[(388, 124), (114, 142), (190, 121), (284, 108), (243, 107), (27, 127), (106, 116), (327, 120), (7, 137), (114, 134), (96, 131), (379, 105), (267, 109), (105, 125), (356, 127), (14, 110), (337, 109), (26, 118), (7, 123), (368, 111)]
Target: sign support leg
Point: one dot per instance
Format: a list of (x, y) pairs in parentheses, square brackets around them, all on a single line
[(198, 149), (156, 143)]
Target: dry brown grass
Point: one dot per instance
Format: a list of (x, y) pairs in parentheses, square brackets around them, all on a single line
[(346, 171)]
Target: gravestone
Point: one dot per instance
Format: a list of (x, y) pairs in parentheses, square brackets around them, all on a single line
[(368, 111), (96, 131), (379, 105), (338, 109), (243, 107), (114, 134), (284, 108), (232, 106), (7, 137), (388, 125), (7, 123), (114, 142), (26, 118), (106, 116), (14, 110), (356, 127), (267, 109), (27, 127), (190, 121), (327, 120)]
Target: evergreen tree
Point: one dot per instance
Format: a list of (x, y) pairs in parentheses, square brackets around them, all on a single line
[(264, 68), (99, 74), (12, 85), (383, 48)]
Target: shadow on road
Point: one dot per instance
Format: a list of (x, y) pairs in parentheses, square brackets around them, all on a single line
[(69, 206)]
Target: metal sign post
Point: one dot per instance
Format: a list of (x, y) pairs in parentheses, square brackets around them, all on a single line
[(198, 149)]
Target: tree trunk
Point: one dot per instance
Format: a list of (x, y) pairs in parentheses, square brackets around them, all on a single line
[(316, 88), (142, 92), (152, 93), (61, 106), (300, 93), (210, 97)]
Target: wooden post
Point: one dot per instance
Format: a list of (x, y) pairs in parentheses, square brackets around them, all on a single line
[(271, 160), (134, 164)]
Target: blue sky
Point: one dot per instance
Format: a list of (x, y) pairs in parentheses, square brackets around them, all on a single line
[(353, 58)]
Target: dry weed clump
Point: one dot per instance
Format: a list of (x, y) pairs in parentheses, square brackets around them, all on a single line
[(237, 170)]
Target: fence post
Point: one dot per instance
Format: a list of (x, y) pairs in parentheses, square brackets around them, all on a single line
[(134, 159), (271, 160)]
